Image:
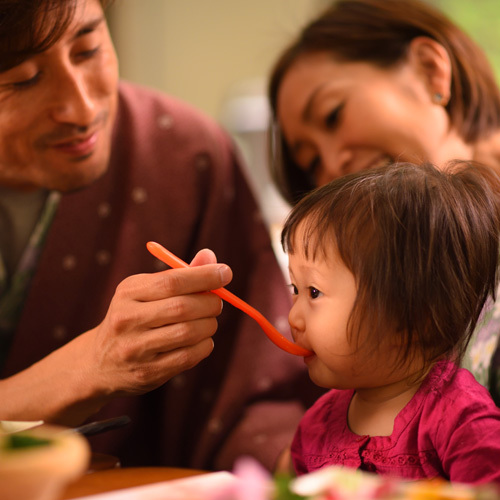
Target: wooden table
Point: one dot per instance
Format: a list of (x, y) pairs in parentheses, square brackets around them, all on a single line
[(101, 481)]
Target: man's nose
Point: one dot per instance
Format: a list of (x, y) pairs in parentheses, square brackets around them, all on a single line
[(72, 101)]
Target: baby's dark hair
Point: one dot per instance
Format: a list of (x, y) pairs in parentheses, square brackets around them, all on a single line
[(422, 244)]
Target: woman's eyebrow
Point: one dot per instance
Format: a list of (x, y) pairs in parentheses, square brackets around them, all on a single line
[(306, 113)]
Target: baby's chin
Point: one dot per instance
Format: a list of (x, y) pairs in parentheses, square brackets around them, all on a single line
[(328, 381)]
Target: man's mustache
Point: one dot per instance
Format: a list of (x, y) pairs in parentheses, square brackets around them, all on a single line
[(68, 131)]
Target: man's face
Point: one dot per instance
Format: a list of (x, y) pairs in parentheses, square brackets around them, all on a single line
[(57, 108)]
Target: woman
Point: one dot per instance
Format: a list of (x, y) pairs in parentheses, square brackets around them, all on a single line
[(375, 81)]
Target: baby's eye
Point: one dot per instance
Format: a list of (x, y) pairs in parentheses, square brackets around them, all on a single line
[(314, 292), (293, 289)]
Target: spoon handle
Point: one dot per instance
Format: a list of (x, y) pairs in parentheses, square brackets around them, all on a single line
[(274, 335)]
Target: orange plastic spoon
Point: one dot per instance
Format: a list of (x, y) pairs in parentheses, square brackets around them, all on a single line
[(282, 342)]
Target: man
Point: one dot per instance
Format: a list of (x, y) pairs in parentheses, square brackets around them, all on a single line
[(90, 170)]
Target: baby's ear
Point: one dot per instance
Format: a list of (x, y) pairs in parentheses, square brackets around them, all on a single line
[(431, 60)]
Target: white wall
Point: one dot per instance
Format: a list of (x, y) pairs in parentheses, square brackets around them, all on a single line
[(214, 54), (199, 49)]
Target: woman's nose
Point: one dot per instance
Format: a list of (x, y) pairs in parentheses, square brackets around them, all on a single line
[(72, 101), (335, 162)]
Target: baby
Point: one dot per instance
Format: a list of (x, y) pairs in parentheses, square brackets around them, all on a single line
[(390, 270)]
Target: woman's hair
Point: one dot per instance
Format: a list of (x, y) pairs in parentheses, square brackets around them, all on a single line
[(28, 27), (422, 244), (379, 32)]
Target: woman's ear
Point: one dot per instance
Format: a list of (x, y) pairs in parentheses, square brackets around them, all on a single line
[(431, 60)]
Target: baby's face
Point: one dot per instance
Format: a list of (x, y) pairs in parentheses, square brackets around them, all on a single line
[(324, 291), (323, 297)]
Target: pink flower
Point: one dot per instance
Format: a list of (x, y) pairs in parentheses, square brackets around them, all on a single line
[(253, 482)]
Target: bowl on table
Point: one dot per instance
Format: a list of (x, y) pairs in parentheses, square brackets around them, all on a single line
[(38, 463)]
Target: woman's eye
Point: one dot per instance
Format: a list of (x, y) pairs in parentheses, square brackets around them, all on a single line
[(332, 118), (314, 292)]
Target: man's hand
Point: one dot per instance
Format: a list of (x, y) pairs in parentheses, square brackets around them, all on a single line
[(157, 326)]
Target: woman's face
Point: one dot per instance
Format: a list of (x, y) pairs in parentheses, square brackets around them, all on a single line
[(342, 117)]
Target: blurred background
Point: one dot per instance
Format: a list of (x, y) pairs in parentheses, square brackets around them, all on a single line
[(217, 54)]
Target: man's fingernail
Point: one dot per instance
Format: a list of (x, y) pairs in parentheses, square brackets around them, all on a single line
[(225, 274)]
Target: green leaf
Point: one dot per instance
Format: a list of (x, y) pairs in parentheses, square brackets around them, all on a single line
[(17, 441), (282, 488)]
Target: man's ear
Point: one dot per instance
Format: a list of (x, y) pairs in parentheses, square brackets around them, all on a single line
[(431, 60)]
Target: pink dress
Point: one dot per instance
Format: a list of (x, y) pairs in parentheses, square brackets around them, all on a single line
[(449, 429)]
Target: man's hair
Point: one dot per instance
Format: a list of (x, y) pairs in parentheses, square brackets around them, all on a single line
[(379, 32), (422, 244), (29, 27)]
